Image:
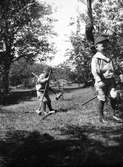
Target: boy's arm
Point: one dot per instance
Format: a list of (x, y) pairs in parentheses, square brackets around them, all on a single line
[(96, 73), (42, 79), (95, 69), (101, 56)]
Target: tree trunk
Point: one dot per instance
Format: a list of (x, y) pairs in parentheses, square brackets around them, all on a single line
[(5, 79), (4, 85), (89, 26), (4, 75)]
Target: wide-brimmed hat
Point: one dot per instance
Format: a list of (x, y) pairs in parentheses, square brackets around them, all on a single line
[(101, 39)]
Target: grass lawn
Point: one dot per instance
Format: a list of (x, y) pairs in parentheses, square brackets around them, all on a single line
[(73, 136)]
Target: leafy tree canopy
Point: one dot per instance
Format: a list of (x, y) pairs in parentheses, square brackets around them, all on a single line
[(105, 20), (24, 29)]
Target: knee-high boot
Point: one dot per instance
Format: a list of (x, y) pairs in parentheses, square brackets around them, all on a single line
[(100, 110), (113, 105)]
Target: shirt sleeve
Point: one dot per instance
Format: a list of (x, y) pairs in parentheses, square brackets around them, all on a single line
[(95, 69), (101, 56), (41, 79)]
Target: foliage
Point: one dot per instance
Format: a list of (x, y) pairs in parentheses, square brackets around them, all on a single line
[(105, 21), (21, 25), (33, 39), (61, 72), (106, 16), (81, 56), (21, 72)]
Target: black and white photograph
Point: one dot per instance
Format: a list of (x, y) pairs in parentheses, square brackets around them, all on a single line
[(61, 83)]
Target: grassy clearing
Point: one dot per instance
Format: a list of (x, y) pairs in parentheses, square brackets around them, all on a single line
[(72, 136)]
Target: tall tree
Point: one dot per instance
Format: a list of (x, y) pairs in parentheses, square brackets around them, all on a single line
[(89, 24), (102, 18), (20, 28), (107, 21)]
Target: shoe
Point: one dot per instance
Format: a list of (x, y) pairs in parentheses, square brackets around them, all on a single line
[(117, 118), (38, 112), (51, 112)]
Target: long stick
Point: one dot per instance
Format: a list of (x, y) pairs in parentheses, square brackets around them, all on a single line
[(44, 91), (89, 100), (35, 75)]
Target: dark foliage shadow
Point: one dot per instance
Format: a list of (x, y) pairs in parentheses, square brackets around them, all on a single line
[(62, 110), (65, 109), (18, 96), (22, 148), (82, 147), (101, 146)]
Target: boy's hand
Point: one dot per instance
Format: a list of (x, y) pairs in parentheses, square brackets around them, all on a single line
[(108, 60), (100, 84)]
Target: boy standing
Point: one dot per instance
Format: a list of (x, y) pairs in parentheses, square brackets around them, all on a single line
[(103, 73)]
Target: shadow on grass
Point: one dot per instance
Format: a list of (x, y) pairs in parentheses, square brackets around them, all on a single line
[(18, 96), (102, 145), (23, 148)]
